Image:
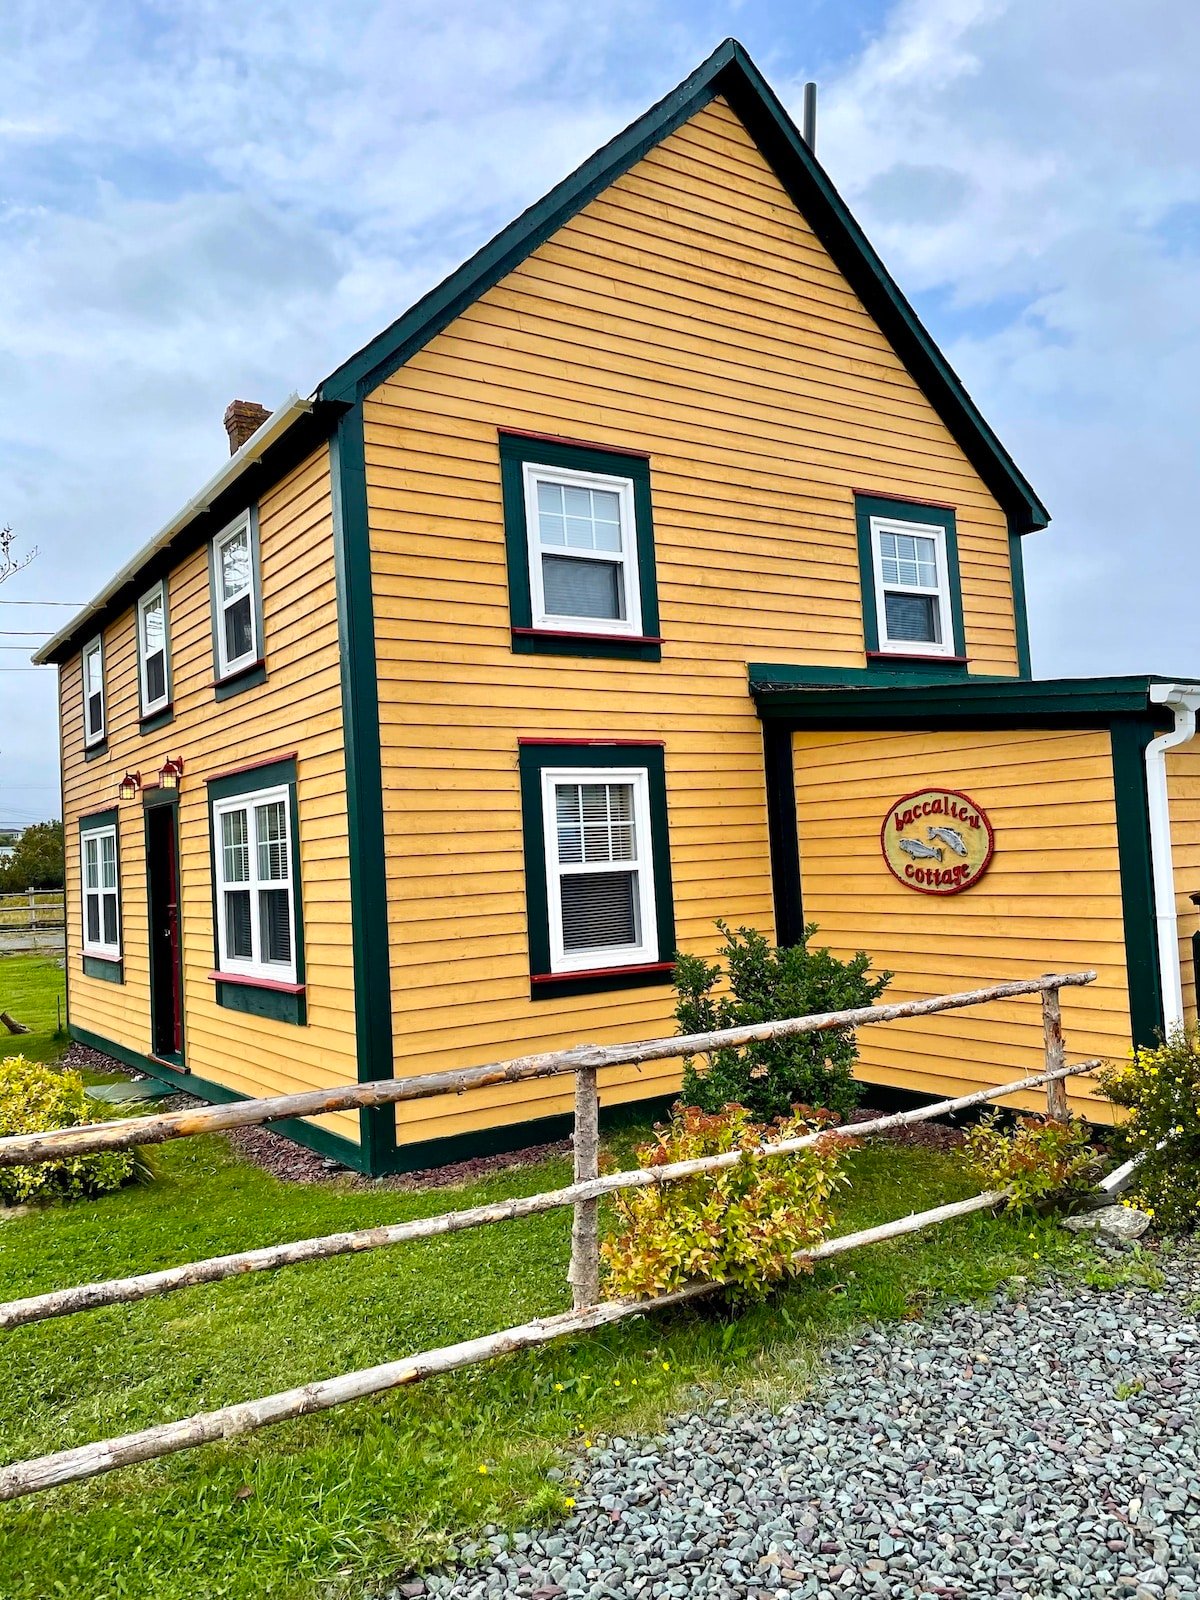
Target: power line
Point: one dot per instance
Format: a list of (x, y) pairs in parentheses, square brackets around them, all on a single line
[(74, 605)]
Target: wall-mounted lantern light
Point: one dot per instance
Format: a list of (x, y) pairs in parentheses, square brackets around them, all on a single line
[(129, 785), (172, 771)]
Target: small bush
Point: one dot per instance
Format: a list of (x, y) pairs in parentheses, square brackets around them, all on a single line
[(769, 985), (35, 1099), (1160, 1090), (739, 1226), (1034, 1158)]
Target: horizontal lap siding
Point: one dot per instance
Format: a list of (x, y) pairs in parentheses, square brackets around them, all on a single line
[(1183, 784), (688, 311), (1050, 901), (297, 709)]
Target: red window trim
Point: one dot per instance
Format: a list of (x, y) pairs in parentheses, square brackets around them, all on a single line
[(569, 634), (903, 655), (256, 983), (619, 744), (251, 766), (600, 972), (906, 499), (577, 444)]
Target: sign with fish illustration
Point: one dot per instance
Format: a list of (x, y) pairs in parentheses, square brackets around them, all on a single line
[(937, 841)]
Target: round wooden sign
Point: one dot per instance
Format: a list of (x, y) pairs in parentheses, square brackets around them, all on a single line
[(937, 841)]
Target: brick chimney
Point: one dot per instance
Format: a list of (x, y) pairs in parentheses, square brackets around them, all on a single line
[(242, 418)]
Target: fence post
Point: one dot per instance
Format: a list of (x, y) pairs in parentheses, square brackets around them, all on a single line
[(584, 1275), (1056, 1055), (32, 910)]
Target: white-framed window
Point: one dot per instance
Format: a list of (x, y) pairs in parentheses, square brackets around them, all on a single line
[(93, 691), (599, 868), (583, 559), (100, 883), (912, 588), (154, 684), (235, 597), (256, 917)]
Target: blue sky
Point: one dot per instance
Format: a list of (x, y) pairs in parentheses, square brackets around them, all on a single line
[(199, 201)]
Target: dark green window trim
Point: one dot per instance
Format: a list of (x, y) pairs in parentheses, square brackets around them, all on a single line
[(103, 966), (92, 751), (109, 971), (534, 757), (518, 450), (867, 506), (260, 997), (165, 1071), (161, 718), (246, 677)]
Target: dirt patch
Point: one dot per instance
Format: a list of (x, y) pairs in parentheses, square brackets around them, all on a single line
[(931, 1135)]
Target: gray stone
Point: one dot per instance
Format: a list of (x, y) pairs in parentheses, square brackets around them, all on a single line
[(1122, 1223)]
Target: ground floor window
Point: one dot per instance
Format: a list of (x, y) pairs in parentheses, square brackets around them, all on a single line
[(100, 887), (597, 863), (256, 887)]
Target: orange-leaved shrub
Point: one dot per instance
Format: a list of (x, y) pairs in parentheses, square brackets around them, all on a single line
[(740, 1226), (1031, 1159)]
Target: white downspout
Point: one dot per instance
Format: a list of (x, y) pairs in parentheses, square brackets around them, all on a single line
[(1184, 700)]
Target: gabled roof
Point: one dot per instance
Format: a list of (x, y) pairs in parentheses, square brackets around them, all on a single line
[(729, 72)]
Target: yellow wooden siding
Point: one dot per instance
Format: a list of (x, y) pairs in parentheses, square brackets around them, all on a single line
[(297, 710), (1050, 901), (1183, 787), (691, 312)]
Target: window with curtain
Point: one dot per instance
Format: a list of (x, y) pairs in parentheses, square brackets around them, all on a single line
[(582, 551), (599, 869), (93, 692), (256, 933), (153, 679), (235, 582), (912, 588), (101, 893)]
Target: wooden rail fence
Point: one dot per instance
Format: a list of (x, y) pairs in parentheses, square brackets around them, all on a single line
[(583, 1195)]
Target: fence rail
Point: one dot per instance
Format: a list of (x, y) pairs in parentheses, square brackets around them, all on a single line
[(32, 910), (584, 1194)]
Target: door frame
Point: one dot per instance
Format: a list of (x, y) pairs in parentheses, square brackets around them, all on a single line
[(155, 800)]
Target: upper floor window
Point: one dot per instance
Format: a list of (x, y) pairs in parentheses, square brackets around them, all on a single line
[(154, 675), (93, 691), (236, 599), (912, 593), (101, 890), (580, 543)]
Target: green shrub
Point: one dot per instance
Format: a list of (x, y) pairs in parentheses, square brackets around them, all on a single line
[(1035, 1157), (740, 1226), (769, 985), (1160, 1090), (34, 1099)]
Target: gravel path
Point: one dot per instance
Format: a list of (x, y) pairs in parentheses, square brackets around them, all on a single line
[(1044, 1448)]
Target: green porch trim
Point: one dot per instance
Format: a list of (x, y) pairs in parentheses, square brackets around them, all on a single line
[(783, 834), (867, 506), (1129, 741), (1016, 563), (366, 838), (321, 1140), (249, 998), (532, 759), (107, 971), (518, 450), (884, 674), (730, 72)]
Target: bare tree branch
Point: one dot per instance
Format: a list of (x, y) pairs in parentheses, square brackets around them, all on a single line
[(9, 561)]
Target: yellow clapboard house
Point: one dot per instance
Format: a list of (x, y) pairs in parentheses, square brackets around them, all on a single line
[(628, 581)]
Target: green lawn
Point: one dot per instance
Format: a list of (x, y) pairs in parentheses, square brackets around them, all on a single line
[(331, 1505), (30, 986)]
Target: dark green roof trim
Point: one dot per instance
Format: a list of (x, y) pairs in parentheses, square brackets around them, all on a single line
[(729, 71), (977, 702), (366, 843), (1016, 566)]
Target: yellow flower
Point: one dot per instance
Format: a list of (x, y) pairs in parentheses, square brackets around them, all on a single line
[(666, 1366), (616, 1383), (568, 1502), (1179, 1129), (587, 1444), (634, 1382), (558, 1388), (1037, 1255), (483, 1469)]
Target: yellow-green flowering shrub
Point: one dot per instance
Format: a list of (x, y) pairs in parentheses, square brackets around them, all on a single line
[(1160, 1091), (740, 1226), (35, 1099), (1034, 1157)]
